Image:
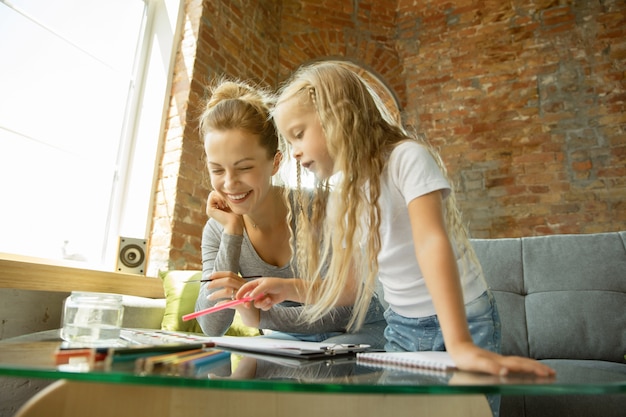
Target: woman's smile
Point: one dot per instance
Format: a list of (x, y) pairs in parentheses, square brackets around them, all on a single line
[(238, 198)]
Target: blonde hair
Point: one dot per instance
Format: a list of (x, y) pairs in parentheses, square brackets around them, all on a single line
[(234, 104), (360, 132)]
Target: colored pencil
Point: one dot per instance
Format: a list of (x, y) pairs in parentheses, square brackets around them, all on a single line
[(210, 310), (133, 353), (147, 365)]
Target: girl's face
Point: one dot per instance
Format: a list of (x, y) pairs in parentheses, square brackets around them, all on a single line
[(239, 168), (301, 127)]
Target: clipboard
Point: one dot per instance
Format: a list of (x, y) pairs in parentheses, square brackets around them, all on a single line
[(298, 363), (289, 348)]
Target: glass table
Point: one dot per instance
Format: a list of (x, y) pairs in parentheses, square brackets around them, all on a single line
[(293, 386)]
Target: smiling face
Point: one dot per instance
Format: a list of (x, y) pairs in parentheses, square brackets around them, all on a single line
[(239, 167), (299, 124)]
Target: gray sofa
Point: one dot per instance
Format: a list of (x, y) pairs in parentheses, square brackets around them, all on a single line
[(562, 300)]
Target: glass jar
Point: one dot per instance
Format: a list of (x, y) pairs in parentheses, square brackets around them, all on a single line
[(92, 317)]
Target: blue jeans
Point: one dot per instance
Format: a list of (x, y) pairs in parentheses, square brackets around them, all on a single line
[(424, 333)]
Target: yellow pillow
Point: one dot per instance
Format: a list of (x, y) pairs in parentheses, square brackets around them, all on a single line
[(180, 299)]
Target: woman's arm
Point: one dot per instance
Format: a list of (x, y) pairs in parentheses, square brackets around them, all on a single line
[(220, 252), (286, 319)]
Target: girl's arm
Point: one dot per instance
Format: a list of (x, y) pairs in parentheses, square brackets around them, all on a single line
[(277, 290), (438, 264), (274, 291), (436, 258)]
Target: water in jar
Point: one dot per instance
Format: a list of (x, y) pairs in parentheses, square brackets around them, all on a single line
[(92, 317)]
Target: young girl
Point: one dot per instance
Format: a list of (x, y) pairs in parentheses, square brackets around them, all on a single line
[(248, 233), (386, 210)]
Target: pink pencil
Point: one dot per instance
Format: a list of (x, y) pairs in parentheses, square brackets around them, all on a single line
[(210, 310)]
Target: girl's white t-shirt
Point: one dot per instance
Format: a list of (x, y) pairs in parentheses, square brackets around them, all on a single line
[(410, 173)]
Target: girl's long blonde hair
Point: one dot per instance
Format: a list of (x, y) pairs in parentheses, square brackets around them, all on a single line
[(360, 136)]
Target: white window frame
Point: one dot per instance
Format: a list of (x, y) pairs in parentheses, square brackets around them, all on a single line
[(132, 192), (133, 197)]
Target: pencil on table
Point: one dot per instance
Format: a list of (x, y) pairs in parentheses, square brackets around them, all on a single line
[(146, 365)]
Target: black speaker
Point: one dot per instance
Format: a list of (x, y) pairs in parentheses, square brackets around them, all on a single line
[(131, 256)]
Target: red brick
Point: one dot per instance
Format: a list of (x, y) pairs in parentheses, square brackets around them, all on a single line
[(582, 165)]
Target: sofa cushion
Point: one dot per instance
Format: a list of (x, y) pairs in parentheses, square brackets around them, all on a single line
[(142, 312), (559, 296), (501, 260), (580, 279)]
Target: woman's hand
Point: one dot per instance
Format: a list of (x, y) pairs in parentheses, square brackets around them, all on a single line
[(469, 357), (217, 208), (268, 292), (227, 284)]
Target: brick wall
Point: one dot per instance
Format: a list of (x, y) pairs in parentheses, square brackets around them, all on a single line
[(525, 100), (234, 38)]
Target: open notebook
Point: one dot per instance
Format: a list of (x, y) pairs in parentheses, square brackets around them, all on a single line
[(439, 361)]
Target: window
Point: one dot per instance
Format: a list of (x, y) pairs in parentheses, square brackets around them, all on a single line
[(78, 132)]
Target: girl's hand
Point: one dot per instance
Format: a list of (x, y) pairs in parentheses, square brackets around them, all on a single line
[(271, 291), (217, 208), (469, 357)]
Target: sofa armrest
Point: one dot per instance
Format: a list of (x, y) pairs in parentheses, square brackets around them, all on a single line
[(142, 312)]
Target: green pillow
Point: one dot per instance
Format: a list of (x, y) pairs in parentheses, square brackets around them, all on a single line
[(180, 299)]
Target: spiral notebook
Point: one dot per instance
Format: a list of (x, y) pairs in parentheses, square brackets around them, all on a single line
[(440, 361)]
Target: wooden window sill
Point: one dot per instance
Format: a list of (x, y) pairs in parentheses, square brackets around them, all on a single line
[(21, 272)]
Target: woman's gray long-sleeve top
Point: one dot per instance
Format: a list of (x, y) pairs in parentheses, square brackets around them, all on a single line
[(224, 252)]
